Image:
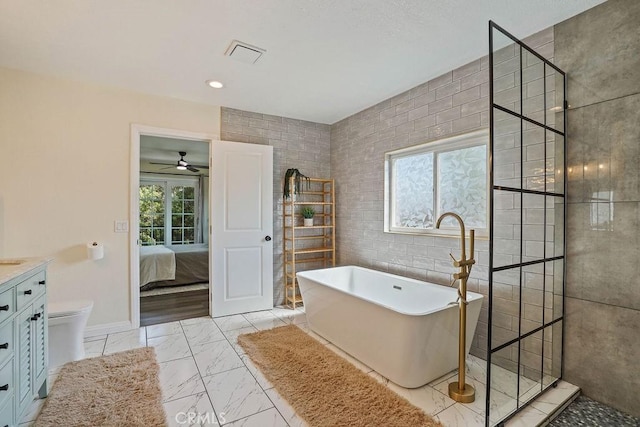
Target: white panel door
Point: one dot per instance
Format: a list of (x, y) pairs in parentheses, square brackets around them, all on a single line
[(242, 227)]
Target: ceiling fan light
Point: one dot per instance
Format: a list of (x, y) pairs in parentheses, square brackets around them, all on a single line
[(181, 167), (215, 84)]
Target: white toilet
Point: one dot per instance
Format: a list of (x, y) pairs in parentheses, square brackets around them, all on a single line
[(67, 321)]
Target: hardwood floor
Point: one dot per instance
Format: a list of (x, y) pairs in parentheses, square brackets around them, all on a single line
[(171, 307)]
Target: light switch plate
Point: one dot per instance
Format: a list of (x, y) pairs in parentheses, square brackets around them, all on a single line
[(121, 226)]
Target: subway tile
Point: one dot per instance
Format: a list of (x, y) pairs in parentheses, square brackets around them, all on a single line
[(251, 115), (258, 123), (466, 96), (465, 70), (404, 107), (440, 105), (424, 122), (448, 115), (440, 80), (475, 79), (448, 89), (466, 123), (418, 113), (425, 98)]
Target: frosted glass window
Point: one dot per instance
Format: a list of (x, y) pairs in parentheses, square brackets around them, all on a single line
[(425, 181), (414, 175), (462, 181)]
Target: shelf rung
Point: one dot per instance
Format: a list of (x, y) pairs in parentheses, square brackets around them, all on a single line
[(313, 203), (312, 193), (308, 237), (312, 250), (302, 227), (309, 260)]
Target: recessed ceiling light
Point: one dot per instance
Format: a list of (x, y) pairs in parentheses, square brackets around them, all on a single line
[(215, 84)]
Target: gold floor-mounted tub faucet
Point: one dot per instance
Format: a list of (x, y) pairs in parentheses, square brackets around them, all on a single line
[(459, 391)]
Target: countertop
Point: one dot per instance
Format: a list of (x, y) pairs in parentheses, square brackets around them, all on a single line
[(13, 267)]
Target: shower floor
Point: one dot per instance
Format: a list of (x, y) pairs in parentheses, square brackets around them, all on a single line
[(586, 412), (503, 397)]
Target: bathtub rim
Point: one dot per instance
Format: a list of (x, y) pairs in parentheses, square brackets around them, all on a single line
[(471, 296)]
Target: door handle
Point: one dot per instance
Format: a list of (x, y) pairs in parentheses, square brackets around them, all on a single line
[(27, 292), (267, 238), (4, 346), (4, 308), (4, 387), (42, 282)]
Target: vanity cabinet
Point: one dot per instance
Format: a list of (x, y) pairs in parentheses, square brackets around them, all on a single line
[(23, 342)]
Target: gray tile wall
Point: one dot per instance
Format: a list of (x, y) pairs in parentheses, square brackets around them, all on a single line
[(455, 103), (296, 144), (600, 51)]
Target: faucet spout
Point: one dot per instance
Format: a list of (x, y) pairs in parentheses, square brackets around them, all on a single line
[(463, 257)]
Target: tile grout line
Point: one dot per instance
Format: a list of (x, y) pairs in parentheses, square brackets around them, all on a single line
[(198, 369)]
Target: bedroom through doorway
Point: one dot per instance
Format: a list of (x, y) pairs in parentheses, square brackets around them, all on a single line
[(173, 231)]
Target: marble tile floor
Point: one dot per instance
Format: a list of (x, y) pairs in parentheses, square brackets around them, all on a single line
[(205, 373)]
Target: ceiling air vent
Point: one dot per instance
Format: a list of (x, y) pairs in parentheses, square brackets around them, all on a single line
[(244, 52)]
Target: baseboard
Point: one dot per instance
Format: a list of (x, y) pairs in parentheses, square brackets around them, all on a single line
[(107, 328)]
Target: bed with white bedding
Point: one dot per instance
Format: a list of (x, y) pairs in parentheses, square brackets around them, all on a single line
[(164, 267)]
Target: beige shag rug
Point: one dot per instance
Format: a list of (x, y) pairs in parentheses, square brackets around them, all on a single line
[(121, 389), (322, 387)]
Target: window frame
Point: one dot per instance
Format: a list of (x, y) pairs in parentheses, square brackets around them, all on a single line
[(169, 184), (467, 140)]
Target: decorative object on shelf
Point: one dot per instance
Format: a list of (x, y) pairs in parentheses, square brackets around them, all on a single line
[(291, 188), (311, 246), (307, 212)]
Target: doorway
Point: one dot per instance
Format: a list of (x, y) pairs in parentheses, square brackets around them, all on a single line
[(235, 219), (170, 233)]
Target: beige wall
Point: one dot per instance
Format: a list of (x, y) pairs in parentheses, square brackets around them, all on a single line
[(64, 178)]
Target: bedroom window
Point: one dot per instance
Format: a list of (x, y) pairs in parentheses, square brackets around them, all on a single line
[(152, 214), (424, 181), (183, 199), (168, 212)]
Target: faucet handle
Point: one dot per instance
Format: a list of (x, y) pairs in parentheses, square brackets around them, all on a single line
[(456, 263)]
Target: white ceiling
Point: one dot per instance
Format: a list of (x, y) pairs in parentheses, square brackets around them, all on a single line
[(325, 59), (160, 149)]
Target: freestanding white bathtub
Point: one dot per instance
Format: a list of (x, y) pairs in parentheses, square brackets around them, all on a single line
[(402, 328)]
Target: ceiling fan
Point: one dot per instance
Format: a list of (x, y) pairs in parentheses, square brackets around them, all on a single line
[(182, 164)]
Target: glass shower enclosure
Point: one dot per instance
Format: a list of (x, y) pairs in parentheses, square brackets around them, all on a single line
[(527, 232)]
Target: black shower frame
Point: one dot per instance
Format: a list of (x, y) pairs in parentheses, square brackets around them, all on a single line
[(521, 191)]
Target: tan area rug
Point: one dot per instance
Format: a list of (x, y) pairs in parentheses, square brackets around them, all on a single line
[(323, 388), (121, 389)]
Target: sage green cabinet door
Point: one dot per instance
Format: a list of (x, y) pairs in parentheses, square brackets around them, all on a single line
[(24, 380), (39, 349)]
